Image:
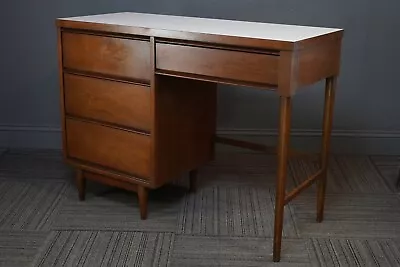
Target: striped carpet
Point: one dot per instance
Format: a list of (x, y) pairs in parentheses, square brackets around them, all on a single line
[(227, 222)]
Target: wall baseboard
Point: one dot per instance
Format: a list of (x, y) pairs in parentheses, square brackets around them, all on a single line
[(27, 136), (343, 141)]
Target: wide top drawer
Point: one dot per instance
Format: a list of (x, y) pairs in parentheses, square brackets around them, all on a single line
[(218, 64), (112, 56)]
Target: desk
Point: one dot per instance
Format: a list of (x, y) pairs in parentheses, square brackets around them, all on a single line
[(138, 95)]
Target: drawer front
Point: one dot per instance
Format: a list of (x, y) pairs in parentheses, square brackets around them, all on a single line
[(114, 56), (225, 64), (109, 147), (114, 102)]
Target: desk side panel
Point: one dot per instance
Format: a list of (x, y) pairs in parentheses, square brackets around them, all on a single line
[(185, 123), (319, 62), (309, 64)]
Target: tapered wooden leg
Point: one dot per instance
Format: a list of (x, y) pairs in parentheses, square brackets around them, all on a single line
[(192, 180), (326, 136), (143, 201), (283, 146), (81, 184)]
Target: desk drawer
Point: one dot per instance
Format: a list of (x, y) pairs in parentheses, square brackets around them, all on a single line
[(218, 63), (116, 149), (108, 101), (114, 56)]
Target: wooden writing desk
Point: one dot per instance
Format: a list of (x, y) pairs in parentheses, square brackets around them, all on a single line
[(138, 94)]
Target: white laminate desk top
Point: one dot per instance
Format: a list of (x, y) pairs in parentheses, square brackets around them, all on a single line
[(265, 31)]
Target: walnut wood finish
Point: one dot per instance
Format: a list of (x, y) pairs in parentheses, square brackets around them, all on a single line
[(153, 105), (111, 56), (109, 147), (218, 63), (317, 63), (141, 190), (139, 137), (61, 81), (303, 186), (307, 66), (120, 103), (283, 147), (110, 181), (287, 80), (330, 88), (185, 126), (108, 173)]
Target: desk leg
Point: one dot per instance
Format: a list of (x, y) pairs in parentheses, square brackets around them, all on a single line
[(330, 87), (143, 201), (283, 147), (81, 184)]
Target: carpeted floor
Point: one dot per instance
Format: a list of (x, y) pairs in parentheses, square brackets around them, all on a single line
[(227, 222)]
